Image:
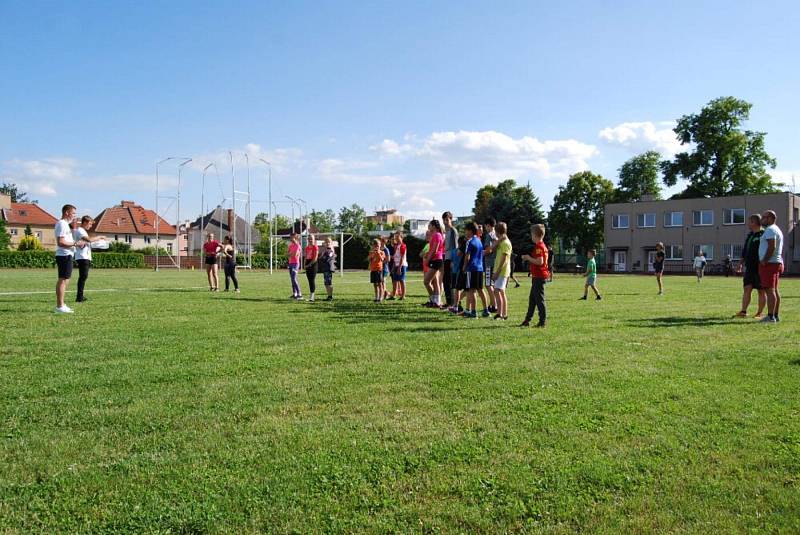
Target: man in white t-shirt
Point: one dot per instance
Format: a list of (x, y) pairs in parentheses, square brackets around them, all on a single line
[(700, 265), (770, 267), (83, 255), (65, 250)]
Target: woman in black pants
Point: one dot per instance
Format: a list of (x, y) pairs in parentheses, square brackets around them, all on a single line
[(312, 255), (230, 264)]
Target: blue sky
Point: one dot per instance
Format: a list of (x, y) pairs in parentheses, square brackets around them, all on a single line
[(408, 104)]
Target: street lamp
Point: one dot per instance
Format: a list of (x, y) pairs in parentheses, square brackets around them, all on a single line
[(270, 214)]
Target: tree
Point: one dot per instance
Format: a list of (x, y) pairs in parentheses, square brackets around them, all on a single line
[(516, 205), (29, 242), (28, 230), (352, 219), (726, 159), (323, 221), (576, 215), (17, 195), (639, 177), (5, 237), (119, 247)]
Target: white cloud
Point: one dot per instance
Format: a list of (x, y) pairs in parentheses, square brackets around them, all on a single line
[(785, 176), (42, 177), (390, 147), (639, 137), (350, 171)]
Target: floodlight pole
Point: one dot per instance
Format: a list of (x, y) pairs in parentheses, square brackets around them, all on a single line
[(269, 209), (293, 200), (158, 195), (178, 209), (232, 232), (203, 200), (247, 217)]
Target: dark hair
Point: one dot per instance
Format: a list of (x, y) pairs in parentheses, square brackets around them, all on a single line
[(228, 239), (593, 251), (85, 219), (447, 215), (435, 224), (66, 208), (756, 218), (490, 221), (472, 227)]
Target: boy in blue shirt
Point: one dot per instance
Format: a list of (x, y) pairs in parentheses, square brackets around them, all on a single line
[(472, 266)]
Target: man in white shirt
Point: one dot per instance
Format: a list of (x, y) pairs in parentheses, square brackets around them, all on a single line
[(83, 255), (65, 250), (700, 265), (770, 256)]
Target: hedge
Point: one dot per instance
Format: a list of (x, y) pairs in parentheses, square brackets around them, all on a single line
[(46, 259), (261, 261)]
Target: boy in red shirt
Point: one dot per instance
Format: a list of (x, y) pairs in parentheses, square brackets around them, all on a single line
[(539, 275)]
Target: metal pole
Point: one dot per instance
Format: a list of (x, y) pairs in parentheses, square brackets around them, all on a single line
[(341, 255), (232, 230), (247, 217), (178, 210), (269, 209), (202, 201), (158, 218)]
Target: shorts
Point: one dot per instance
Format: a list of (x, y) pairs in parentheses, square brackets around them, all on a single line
[(64, 264), (658, 269), (751, 278), (461, 281), (590, 279), (376, 277), (500, 283), (327, 277), (401, 276), (474, 280), (211, 260), (769, 275), (487, 281), (435, 264)]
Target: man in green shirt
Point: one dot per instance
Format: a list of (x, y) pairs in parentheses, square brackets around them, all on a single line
[(591, 276)]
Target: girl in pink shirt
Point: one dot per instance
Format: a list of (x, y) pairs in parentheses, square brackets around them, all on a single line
[(433, 278), (294, 265)]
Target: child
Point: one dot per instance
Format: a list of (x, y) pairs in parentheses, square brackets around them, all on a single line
[(211, 249), (501, 271), (591, 276), (489, 240), (459, 277), (294, 265), (539, 275), (83, 255), (387, 265), (229, 251), (400, 263), (658, 267), (473, 268), (435, 257), (312, 255), (328, 263), (376, 260), (700, 265)]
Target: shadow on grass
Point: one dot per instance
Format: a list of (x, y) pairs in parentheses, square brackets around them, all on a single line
[(362, 311), (675, 321), (794, 362)]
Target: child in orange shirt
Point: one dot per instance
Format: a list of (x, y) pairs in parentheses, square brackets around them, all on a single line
[(376, 259)]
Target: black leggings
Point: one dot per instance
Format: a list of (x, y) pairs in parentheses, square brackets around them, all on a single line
[(311, 275), (83, 274), (230, 275), (536, 301)]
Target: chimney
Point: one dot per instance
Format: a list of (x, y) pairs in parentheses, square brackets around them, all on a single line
[(5, 202), (127, 204)]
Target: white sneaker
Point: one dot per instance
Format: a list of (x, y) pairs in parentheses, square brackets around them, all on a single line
[(64, 310)]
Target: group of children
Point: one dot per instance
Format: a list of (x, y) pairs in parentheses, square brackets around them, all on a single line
[(316, 261)]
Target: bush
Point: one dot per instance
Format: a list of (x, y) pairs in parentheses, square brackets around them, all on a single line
[(29, 242), (261, 261), (150, 251), (356, 253), (118, 260), (117, 247), (46, 259)]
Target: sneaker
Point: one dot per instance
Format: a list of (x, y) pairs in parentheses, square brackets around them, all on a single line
[(237, 291), (485, 313), (471, 315), (660, 293), (525, 323), (582, 298), (541, 325), (516, 285), (492, 310), (329, 298), (758, 316), (81, 300), (311, 300), (777, 319), (390, 298), (741, 314), (768, 319), (63, 310), (225, 290), (401, 298), (599, 298)]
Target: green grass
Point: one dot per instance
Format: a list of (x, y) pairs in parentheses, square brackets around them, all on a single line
[(175, 410)]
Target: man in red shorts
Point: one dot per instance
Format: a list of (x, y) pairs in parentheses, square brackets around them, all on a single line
[(771, 264)]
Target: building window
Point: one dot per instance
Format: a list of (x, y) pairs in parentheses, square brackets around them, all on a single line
[(39, 235), (147, 239), (116, 237), (646, 220), (673, 252), (733, 216), (706, 248), (128, 238), (734, 250), (169, 247), (703, 217), (796, 215), (673, 219), (619, 221), (13, 231)]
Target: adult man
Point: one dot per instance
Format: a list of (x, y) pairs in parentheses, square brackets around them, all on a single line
[(489, 240), (771, 266), (450, 245), (749, 264), (65, 250)]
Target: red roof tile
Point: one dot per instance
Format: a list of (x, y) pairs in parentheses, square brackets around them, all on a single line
[(130, 218), (22, 213)]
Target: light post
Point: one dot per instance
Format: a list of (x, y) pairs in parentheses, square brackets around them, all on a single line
[(158, 196), (178, 210), (269, 210)]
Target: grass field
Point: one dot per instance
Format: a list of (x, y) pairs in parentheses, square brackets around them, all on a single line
[(164, 408)]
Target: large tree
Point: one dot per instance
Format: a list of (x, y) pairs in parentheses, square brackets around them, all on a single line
[(17, 195), (323, 221), (576, 215), (351, 219), (639, 177), (725, 160), (516, 205)]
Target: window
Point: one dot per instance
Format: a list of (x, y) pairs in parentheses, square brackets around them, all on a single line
[(116, 237), (128, 238), (732, 249), (673, 219), (733, 216), (13, 231), (39, 235), (703, 217), (796, 214), (147, 239), (619, 221), (707, 249), (169, 247), (673, 252), (646, 220)]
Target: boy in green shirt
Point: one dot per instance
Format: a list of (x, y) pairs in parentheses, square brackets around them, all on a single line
[(591, 276)]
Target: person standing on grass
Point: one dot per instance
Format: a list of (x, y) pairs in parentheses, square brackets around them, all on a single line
[(423, 254), (489, 240), (295, 250), (450, 245), (459, 276), (749, 265), (473, 268), (229, 254), (211, 249), (400, 266), (591, 276), (65, 250), (771, 264), (435, 257), (728, 265), (327, 263), (311, 255), (658, 267), (387, 265), (501, 270), (83, 254), (550, 261), (376, 261), (539, 275), (700, 265), (513, 266)]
